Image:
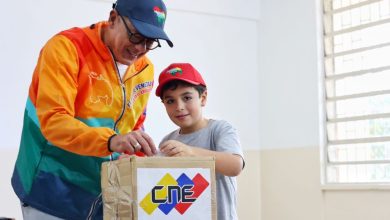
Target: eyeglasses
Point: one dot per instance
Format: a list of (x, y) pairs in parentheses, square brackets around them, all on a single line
[(136, 38)]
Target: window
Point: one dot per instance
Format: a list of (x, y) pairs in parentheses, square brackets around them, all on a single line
[(357, 85)]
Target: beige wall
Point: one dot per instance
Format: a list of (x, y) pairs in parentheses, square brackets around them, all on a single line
[(290, 189), (290, 184), (249, 187), (357, 205)]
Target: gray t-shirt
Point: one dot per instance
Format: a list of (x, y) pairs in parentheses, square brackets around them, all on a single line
[(219, 136)]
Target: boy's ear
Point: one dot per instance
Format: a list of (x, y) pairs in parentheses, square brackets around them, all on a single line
[(203, 98)]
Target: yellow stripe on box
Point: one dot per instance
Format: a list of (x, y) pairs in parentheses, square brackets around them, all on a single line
[(147, 203)]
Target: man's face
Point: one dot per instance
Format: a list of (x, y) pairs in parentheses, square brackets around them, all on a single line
[(123, 36)]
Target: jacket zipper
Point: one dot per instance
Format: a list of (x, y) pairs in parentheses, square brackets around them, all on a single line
[(124, 92), (91, 213), (93, 207)]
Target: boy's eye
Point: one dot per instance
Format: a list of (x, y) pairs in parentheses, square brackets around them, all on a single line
[(187, 98), (168, 101)]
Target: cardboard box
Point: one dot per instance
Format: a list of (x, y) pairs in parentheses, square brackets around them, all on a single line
[(159, 188)]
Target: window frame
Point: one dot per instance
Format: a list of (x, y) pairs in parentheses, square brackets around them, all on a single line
[(324, 142)]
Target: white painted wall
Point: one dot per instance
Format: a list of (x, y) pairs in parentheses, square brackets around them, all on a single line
[(289, 62), (224, 50), (261, 60), (219, 37), (27, 26), (222, 46)]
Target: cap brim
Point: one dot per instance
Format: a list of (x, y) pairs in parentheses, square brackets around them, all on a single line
[(161, 85), (150, 31)]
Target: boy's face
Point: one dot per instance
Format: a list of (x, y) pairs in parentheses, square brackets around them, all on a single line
[(184, 107)]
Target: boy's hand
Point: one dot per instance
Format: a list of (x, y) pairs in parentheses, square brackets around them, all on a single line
[(133, 142), (173, 148)]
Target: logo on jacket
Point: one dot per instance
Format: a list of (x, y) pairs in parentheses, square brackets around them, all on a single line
[(139, 89), (102, 91)]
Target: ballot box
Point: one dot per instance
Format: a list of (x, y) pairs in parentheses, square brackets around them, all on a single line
[(151, 188)]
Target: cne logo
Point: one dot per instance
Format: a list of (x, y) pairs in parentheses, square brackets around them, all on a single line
[(169, 194)]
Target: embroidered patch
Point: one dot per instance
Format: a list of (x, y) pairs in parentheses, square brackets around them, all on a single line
[(140, 89), (102, 91), (175, 70), (160, 14)]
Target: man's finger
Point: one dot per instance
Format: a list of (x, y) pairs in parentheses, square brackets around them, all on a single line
[(150, 142)]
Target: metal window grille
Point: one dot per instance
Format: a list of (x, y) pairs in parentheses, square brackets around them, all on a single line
[(357, 86)]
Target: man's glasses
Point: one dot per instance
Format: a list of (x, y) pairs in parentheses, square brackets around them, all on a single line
[(136, 38)]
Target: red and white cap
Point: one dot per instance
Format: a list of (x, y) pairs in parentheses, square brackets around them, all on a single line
[(179, 71)]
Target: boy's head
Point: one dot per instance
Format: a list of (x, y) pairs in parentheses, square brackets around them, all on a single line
[(183, 92), (179, 74)]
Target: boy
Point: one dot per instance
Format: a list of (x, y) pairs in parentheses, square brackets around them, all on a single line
[(183, 92)]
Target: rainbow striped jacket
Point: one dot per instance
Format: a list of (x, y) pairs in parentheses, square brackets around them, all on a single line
[(76, 101)]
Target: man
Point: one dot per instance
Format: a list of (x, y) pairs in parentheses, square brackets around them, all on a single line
[(86, 105)]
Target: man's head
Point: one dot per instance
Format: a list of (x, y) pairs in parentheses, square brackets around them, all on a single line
[(135, 27), (180, 74), (183, 92)]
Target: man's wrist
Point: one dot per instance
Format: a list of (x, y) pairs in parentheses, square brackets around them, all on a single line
[(109, 143)]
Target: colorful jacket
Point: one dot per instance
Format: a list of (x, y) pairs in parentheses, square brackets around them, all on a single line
[(76, 102)]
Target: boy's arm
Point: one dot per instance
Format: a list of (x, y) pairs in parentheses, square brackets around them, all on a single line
[(227, 164)]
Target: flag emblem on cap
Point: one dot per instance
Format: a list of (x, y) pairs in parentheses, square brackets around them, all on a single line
[(160, 14), (175, 70)]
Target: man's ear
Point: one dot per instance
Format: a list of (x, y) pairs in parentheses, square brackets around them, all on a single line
[(113, 16), (203, 98)]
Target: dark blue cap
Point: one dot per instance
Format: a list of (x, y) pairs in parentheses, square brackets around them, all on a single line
[(147, 16)]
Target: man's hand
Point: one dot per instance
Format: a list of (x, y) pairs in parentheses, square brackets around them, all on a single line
[(133, 142)]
